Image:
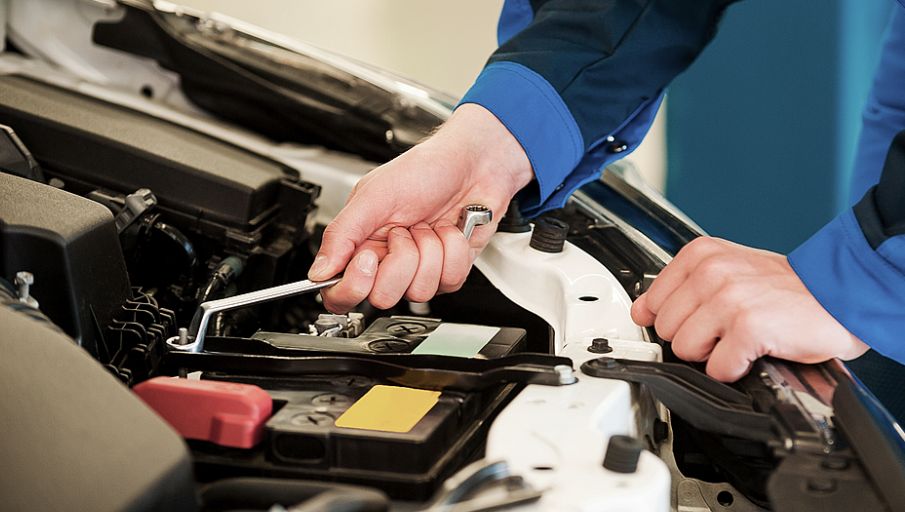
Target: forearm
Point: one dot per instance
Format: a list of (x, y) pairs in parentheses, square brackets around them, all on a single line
[(580, 82), (855, 266)]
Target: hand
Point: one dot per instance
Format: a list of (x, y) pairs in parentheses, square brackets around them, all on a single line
[(730, 305), (397, 237)]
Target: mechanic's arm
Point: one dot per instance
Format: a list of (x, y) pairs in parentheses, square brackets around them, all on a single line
[(397, 236), (575, 84), (837, 293), (730, 305), (843, 286)]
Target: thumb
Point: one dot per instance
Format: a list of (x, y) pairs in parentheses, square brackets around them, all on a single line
[(641, 314), (357, 222)]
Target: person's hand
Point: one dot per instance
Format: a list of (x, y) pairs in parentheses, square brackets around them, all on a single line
[(397, 237), (729, 305)]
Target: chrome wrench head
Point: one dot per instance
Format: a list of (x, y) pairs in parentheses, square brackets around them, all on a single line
[(473, 215)]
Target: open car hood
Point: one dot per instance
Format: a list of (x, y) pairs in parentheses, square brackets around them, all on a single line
[(154, 159)]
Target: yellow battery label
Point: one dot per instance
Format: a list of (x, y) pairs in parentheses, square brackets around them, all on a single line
[(389, 409)]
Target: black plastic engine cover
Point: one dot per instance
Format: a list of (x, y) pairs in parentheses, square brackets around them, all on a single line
[(70, 245), (104, 145), (75, 438)]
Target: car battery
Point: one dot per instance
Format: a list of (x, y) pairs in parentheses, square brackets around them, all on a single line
[(363, 429), (406, 334)]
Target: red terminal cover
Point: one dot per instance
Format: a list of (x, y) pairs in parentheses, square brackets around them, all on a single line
[(223, 413)]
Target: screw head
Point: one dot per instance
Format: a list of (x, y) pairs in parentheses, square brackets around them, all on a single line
[(600, 346), (406, 328), (566, 375), (24, 277), (388, 346), (311, 419), (331, 400)]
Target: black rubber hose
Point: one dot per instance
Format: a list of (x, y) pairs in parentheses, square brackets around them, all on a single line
[(263, 493), (229, 269)]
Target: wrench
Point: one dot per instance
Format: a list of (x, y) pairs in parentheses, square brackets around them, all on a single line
[(192, 339), (472, 216)]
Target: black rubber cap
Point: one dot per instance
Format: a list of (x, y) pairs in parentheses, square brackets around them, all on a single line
[(622, 454), (549, 234), (513, 221)]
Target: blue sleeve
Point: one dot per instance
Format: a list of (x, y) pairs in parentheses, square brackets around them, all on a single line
[(855, 266), (883, 115), (578, 82)]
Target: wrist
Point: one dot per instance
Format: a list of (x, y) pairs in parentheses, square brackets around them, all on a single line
[(488, 145)]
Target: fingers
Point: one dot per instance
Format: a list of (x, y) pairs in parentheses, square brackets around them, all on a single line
[(411, 265), (732, 358), (456, 257), (337, 248), (641, 314), (700, 302), (430, 263), (356, 284), (697, 337), (359, 221), (690, 280), (397, 269), (678, 271)]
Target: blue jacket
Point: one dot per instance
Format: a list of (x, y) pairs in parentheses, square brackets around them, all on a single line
[(578, 83)]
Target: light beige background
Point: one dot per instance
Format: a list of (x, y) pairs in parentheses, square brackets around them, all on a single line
[(442, 43)]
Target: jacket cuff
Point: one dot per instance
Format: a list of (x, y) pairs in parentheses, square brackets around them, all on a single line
[(619, 144), (860, 287), (536, 116)]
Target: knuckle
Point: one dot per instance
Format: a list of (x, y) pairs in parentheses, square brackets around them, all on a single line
[(382, 299), (330, 232), (418, 294), (681, 350), (335, 306), (430, 242), (714, 268), (665, 328), (452, 281), (699, 246), (746, 324), (450, 286), (730, 297)]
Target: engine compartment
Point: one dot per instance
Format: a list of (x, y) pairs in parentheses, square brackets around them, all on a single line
[(119, 279), (122, 212)]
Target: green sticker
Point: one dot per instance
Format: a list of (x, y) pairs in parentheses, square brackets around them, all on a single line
[(456, 340)]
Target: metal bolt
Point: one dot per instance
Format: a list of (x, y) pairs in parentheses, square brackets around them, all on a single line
[(473, 215), (322, 325), (24, 280), (566, 375), (182, 341), (600, 346), (606, 362), (420, 308)]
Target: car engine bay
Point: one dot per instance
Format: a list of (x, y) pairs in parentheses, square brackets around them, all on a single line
[(195, 177)]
